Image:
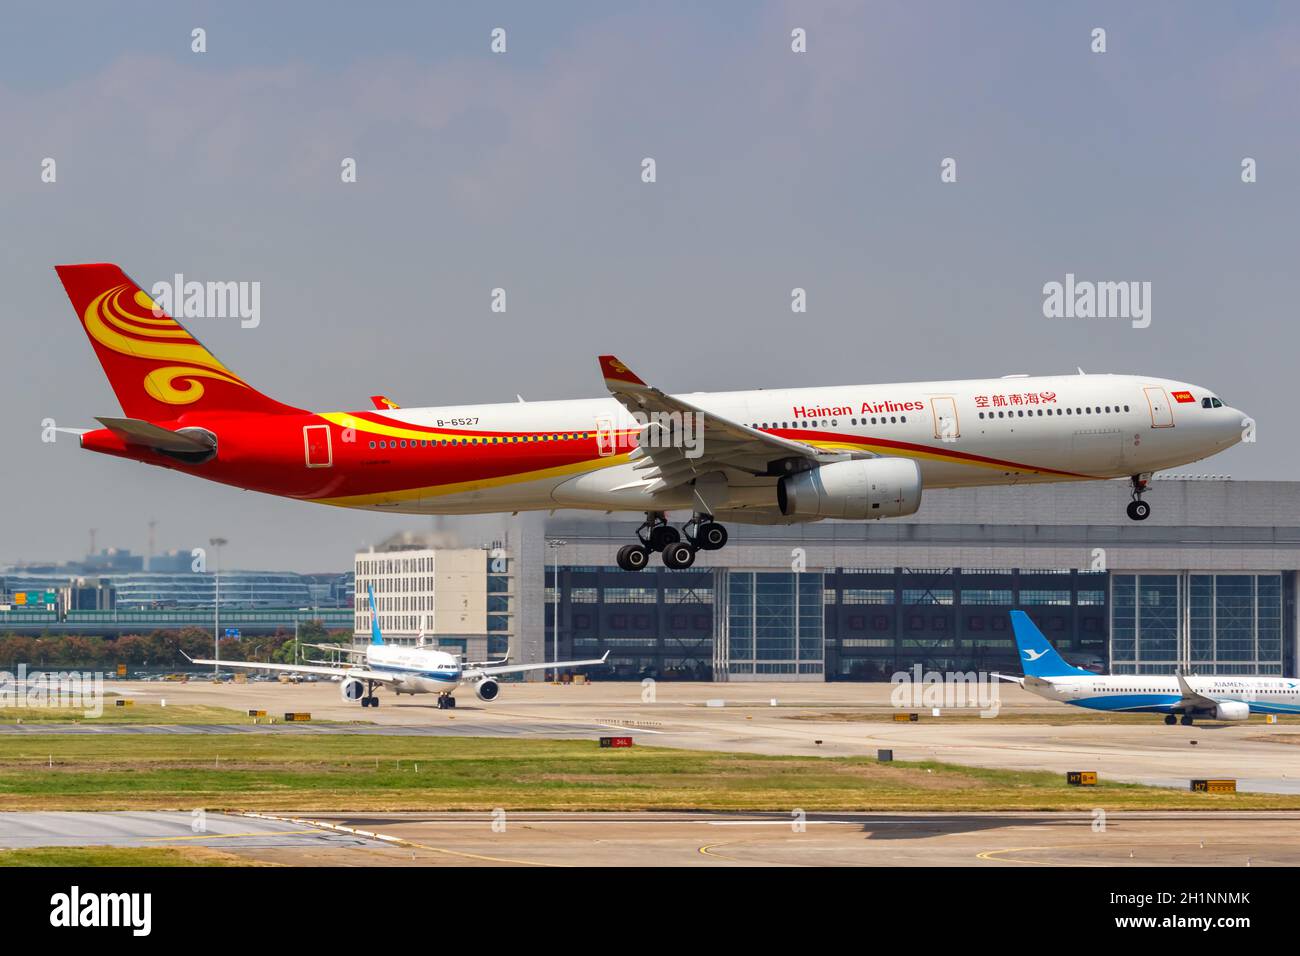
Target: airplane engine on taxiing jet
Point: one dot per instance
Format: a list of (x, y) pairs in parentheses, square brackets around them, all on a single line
[(352, 689), (1232, 710), (857, 488), (487, 689)]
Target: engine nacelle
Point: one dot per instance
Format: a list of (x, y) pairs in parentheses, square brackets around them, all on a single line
[(487, 689), (1232, 710), (352, 689), (857, 488)]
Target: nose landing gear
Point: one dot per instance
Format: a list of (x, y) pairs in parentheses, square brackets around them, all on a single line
[(1139, 510)]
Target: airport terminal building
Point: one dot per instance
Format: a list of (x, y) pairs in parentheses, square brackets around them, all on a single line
[(1206, 585)]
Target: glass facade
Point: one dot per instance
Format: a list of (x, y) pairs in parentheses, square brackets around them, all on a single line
[(1201, 623), (773, 624), (860, 623)]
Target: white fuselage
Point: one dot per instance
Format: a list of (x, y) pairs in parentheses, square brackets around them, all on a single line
[(420, 670), (1000, 431), (1161, 694)]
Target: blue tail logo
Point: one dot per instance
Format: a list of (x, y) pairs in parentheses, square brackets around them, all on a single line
[(1037, 656), (375, 636)]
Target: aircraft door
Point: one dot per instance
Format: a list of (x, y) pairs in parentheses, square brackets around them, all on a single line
[(1162, 416), (946, 427), (317, 447)]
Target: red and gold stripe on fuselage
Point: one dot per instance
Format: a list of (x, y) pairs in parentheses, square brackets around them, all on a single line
[(471, 461), (266, 453)]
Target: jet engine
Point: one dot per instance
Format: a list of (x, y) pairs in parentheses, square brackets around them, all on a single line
[(352, 689), (487, 689), (856, 488), (1232, 710)]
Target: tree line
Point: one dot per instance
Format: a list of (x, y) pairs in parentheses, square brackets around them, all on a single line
[(159, 649)]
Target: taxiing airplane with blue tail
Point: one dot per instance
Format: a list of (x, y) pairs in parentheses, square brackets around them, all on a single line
[(1178, 697), (405, 670)]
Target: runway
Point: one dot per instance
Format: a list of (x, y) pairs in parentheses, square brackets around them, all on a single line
[(166, 828), (837, 719), (790, 839)]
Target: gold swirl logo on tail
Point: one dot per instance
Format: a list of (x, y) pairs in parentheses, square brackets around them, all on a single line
[(112, 323)]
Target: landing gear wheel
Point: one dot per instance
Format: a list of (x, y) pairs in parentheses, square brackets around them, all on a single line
[(661, 536), (1139, 510), (1186, 720), (446, 702), (1170, 720), (633, 557), (679, 555), (710, 536)]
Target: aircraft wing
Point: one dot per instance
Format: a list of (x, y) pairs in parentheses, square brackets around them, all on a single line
[(360, 673), (1193, 699), (340, 648), (1008, 677), (473, 672), (722, 443)]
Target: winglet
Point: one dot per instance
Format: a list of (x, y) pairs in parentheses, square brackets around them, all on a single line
[(376, 637), (383, 402), (616, 373)]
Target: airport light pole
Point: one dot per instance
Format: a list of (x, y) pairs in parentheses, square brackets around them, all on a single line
[(216, 608), (555, 544)]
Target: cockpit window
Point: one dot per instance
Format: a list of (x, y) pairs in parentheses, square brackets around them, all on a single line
[(1205, 403), (1211, 402)]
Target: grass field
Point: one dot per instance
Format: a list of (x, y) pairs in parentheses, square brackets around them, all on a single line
[(345, 773), (120, 856), (138, 713)]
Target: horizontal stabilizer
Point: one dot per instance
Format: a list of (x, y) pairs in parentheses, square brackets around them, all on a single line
[(137, 432)]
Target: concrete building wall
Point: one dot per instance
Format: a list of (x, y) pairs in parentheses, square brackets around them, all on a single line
[(460, 591), (1218, 526)]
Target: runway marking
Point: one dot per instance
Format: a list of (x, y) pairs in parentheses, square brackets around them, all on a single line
[(223, 836), (776, 823), (709, 850), (405, 842), (479, 856), (991, 856)]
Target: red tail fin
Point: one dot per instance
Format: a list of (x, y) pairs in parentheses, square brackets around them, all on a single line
[(157, 369)]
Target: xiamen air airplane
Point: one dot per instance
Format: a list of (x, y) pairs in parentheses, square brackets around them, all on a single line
[(771, 456), (1178, 697), (404, 670)]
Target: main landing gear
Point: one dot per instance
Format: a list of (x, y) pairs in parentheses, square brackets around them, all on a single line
[(370, 700), (446, 702), (1185, 720), (701, 533), (1139, 510)]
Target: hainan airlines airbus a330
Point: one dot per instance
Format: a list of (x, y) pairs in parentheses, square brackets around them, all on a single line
[(766, 456)]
